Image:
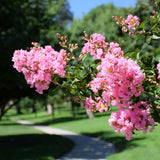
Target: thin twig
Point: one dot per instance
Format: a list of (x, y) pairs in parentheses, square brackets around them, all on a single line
[(83, 65), (56, 83)]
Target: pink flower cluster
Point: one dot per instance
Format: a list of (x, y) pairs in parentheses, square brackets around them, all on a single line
[(97, 104), (119, 78), (97, 47), (130, 24), (39, 64), (134, 118)]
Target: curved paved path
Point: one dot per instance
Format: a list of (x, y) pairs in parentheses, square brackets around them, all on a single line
[(86, 148)]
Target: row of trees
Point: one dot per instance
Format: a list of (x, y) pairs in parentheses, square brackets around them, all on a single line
[(50, 104)]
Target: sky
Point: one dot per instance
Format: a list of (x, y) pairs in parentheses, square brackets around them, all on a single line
[(82, 7)]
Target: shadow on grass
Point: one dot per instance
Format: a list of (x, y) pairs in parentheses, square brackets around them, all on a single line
[(33, 147), (53, 120), (6, 122), (9, 124), (119, 142), (71, 118), (25, 116)]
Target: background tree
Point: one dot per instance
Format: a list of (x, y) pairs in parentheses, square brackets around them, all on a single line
[(23, 22), (98, 20)]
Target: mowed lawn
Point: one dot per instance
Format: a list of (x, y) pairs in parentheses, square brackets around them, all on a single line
[(142, 147), (18, 142)]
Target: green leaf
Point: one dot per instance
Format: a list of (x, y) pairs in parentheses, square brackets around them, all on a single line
[(142, 25), (154, 26), (131, 55), (93, 97), (155, 37), (84, 57), (138, 55), (158, 90), (128, 54), (73, 91), (52, 91), (100, 92), (88, 78), (153, 22), (97, 61), (148, 40)]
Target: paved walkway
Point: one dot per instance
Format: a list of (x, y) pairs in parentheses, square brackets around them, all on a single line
[(86, 148)]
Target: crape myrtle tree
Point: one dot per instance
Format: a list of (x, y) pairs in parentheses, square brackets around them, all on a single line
[(100, 20), (23, 21), (113, 78)]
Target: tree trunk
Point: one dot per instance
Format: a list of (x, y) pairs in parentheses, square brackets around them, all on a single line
[(18, 110), (73, 108), (34, 109), (90, 115), (50, 110), (2, 111), (5, 107)]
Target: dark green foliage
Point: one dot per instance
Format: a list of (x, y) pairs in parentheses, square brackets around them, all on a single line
[(23, 22), (34, 147), (146, 52)]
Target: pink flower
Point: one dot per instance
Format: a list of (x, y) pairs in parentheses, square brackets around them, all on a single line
[(132, 22), (96, 46), (119, 79), (39, 64), (135, 118), (90, 104), (96, 105)]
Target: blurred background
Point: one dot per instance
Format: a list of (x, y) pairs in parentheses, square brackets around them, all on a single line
[(26, 21)]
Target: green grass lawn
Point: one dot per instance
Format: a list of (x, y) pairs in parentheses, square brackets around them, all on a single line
[(18, 142), (142, 147)]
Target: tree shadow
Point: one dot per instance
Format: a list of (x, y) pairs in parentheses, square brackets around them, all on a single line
[(8, 123), (60, 120), (35, 115), (81, 115), (34, 147), (53, 120), (119, 142)]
